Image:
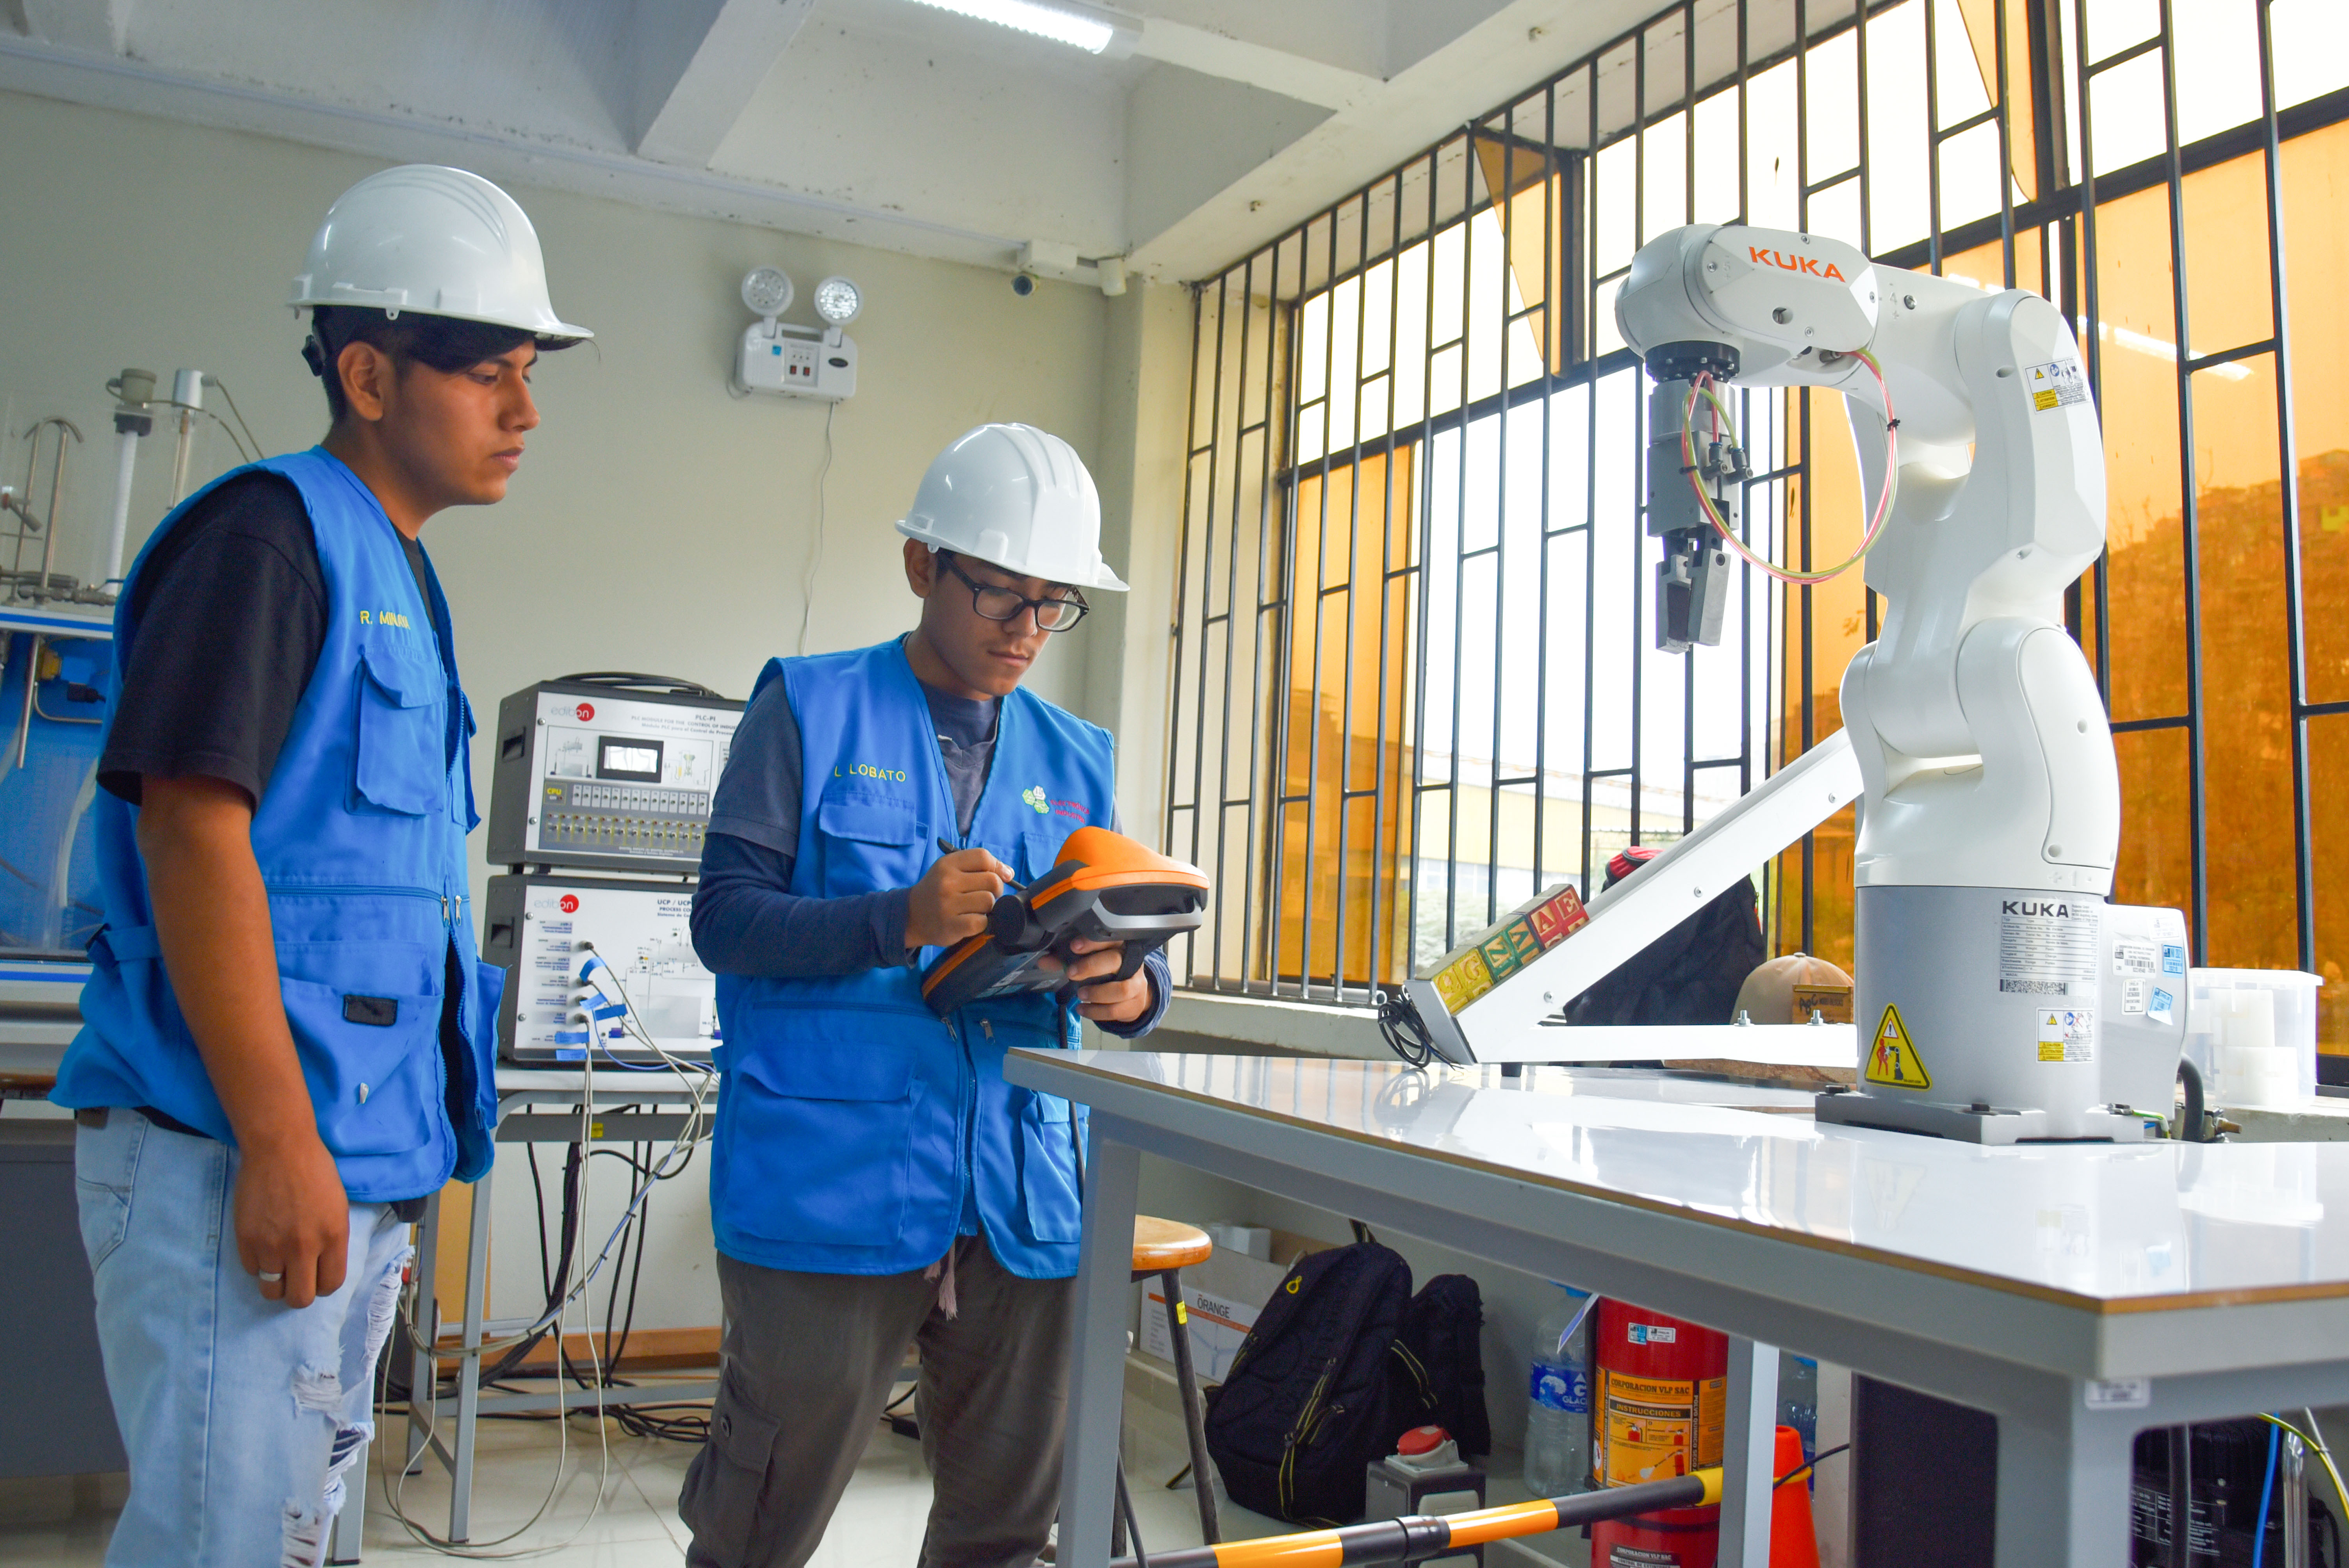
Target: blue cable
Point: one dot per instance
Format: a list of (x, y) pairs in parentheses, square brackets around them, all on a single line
[(2267, 1489)]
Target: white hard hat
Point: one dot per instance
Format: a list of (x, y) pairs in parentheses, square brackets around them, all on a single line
[(1015, 497), (435, 241)]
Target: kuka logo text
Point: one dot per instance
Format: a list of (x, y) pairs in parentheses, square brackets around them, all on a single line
[(2034, 906), (1810, 265)]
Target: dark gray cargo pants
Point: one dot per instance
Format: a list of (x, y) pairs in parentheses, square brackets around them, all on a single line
[(808, 1361)]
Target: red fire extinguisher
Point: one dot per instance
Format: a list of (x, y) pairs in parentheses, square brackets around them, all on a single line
[(1657, 1410)]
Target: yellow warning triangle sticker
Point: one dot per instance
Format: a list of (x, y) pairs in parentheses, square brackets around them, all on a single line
[(1893, 1057)]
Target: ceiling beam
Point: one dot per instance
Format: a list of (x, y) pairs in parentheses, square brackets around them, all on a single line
[(135, 86), (699, 64), (1219, 55), (1512, 49)]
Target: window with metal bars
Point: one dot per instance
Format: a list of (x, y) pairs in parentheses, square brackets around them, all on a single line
[(1415, 675)]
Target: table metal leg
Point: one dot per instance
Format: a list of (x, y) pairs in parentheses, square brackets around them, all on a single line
[(469, 1367), (2063, 1485), (1749, 1453), (1097, 1386), (423, 1368), (350, 1524)]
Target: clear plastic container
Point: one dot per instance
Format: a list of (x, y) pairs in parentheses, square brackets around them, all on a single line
[(1798, 1399), (1558, 1418), (2252, 1034)]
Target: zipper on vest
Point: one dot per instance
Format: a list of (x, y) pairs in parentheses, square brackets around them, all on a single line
[(344, 890), (967, 1144)]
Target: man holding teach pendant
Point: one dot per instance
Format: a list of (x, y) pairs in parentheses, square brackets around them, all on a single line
[(874, 1181)]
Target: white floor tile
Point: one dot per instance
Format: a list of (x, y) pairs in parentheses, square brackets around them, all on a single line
[(64, 1523)]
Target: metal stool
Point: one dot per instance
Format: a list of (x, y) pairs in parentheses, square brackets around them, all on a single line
[(1164, 1248)]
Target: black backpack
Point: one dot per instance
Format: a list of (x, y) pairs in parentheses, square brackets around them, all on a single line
[(1692, 974), (1441, 1331), (1336, 1369)]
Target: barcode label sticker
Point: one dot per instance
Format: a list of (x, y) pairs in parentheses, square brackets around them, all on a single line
[(2120, 1394)]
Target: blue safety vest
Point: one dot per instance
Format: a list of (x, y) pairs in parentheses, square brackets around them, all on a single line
[(360, 839), (854, 1123)]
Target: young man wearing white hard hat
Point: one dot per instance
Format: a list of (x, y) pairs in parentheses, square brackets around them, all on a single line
[(289, 1031), (873, 1180)]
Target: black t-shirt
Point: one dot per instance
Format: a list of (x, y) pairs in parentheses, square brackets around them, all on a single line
[(230, 611)]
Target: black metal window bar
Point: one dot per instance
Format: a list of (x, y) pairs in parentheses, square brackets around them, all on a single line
[(1414, 677)]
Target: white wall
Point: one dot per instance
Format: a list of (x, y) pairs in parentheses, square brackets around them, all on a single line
[(658, 523)]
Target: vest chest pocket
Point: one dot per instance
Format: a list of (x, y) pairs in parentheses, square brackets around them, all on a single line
[(1038, 852), (399, 762), (869, 842)]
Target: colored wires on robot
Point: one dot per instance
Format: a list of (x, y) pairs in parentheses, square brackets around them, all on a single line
[(2313, 1441), (1724, 429)]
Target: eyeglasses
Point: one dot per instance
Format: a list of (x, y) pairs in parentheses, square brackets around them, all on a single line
[(997, 603)]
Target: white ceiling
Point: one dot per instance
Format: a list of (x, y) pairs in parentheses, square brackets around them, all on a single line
[(881, 121)]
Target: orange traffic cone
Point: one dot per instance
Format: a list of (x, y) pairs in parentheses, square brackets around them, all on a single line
[(1794, 1538)]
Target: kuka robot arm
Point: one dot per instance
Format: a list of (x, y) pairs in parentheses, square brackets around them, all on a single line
[(1977, 724)]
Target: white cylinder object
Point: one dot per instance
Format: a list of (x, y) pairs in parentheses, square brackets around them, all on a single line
[(2247, 1019), (126, 457)]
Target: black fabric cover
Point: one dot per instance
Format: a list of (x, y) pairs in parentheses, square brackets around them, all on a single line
[(1691, 975), (1343, 1361)]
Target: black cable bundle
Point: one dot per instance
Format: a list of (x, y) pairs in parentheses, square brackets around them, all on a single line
[(556, 1271), (1403, 1030)]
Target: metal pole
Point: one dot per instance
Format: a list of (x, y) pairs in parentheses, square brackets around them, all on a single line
[(188, 392), (2294, 1504), (49, 545)]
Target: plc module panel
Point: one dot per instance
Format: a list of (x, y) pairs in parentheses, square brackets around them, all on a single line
[(547, 933), (604, 778)]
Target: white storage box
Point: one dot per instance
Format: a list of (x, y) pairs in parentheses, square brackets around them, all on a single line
[(1221, 1299), (2252, 1034)]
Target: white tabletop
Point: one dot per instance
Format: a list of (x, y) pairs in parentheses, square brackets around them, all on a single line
[(519, 1083), (2112, 1228)]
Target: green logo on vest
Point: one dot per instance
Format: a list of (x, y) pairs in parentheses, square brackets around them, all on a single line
[(1039, 799)]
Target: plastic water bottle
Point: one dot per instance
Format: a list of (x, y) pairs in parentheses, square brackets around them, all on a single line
[(1798, 1399), (1558, 1425)]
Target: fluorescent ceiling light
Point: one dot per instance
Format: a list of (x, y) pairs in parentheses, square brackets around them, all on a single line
[(1080, 26)]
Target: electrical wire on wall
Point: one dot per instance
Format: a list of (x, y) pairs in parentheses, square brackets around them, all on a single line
[(815, 546)]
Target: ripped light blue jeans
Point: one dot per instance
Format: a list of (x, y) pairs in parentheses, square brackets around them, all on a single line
[(241, 1416)]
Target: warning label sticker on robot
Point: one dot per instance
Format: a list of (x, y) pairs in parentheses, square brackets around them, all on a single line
[(2067, 1035), (2057, 383), (2047, 946), (1893, 1059)]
